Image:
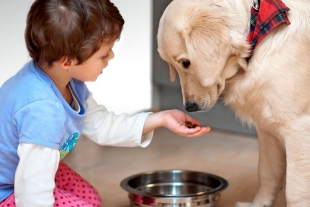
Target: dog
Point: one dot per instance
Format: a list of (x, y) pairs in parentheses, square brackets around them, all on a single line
[(206, 42)]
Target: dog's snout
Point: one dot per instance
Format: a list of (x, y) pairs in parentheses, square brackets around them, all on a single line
[(191, 107)]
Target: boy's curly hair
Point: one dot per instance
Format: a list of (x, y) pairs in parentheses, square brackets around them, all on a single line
[(72, 28)]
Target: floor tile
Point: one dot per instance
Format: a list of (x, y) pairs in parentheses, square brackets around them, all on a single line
[(231, 156)]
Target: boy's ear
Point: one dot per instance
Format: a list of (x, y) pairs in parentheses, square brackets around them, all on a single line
[(66, 63)]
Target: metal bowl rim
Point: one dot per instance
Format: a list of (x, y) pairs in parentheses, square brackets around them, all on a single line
[(126, 187)]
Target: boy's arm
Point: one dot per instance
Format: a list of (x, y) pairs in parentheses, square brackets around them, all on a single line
[(176, 121), (34, 178), (106, 128)]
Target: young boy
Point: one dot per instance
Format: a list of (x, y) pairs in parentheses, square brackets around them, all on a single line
[(46, 106)]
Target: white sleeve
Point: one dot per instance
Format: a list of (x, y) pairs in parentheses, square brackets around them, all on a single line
[(35, 174), (107, 128)]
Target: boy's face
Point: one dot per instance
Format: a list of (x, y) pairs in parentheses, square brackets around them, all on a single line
[(92, 68)]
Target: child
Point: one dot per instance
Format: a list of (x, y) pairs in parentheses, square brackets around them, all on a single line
[(46, 106)]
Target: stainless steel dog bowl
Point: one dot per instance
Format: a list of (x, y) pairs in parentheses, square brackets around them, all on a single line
[(174, 188)]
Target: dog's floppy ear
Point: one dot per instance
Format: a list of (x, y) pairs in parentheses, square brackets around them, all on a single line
[(241, 49), (173, 72)]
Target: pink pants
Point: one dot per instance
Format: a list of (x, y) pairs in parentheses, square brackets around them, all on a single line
[(71, 191)]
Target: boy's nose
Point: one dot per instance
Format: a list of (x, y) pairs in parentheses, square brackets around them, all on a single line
[(111, 54)]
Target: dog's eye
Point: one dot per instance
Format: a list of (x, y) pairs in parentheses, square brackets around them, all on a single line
[(186, 63)]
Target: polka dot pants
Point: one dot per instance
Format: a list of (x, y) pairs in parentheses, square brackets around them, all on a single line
[(71, 191)]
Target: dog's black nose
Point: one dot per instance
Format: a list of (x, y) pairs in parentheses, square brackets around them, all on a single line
[(191, 107)]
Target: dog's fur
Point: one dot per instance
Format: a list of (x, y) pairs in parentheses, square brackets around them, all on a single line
[(205, 41)]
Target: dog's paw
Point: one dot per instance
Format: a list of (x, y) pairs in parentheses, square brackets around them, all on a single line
[(239, 204)]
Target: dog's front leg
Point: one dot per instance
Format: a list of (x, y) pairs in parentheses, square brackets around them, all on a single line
[(298, 164), (271, 170)]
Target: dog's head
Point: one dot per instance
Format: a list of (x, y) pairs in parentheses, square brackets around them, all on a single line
[(195, 39)]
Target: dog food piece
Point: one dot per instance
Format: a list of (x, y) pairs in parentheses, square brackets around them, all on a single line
[(190, 125)]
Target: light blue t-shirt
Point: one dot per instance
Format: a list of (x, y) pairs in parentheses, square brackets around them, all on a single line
[(32, 110)]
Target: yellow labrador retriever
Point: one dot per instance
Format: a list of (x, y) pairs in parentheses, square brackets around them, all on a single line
[(206, 42)]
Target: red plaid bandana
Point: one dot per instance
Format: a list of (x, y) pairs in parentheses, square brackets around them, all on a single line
[(265, 16)]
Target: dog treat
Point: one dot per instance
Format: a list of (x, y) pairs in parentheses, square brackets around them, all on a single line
[(190, 125)]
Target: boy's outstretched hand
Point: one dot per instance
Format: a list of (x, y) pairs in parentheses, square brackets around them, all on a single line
[(176, 121)]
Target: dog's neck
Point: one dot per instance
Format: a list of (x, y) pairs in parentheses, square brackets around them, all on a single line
[(242, 15), (238, 16), (265, 16)]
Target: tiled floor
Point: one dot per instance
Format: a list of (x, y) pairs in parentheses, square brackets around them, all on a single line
[(231, 156)]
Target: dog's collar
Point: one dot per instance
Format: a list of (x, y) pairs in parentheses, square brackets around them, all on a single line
[(265, 16), (256, 4)]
